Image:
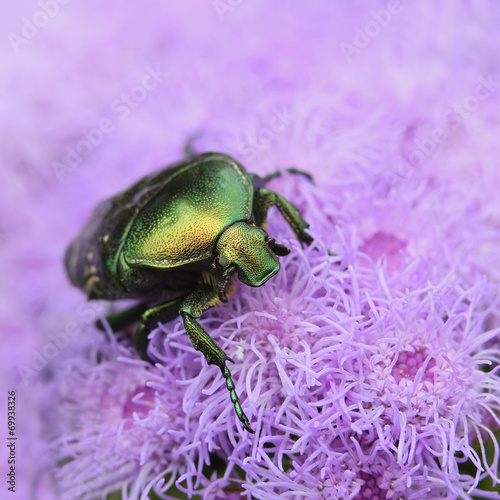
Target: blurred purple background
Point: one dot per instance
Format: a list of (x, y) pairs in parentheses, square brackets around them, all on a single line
[(393, 107)]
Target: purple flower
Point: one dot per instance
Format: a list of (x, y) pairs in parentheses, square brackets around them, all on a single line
[(360, 382)]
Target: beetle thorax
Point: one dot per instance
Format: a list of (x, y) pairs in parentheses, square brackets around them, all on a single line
[(245, 247)]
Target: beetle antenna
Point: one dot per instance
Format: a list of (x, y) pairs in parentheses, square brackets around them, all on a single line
[(279, 250)]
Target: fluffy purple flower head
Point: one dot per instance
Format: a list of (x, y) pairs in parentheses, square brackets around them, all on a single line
[(359, 381)]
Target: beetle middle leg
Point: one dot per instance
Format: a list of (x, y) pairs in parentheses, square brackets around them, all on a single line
[(120, 320), (290, 170), (202, 298), (148, 317), (162, 313)]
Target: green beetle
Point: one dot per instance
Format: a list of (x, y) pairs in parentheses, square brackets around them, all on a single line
[(175, 239)]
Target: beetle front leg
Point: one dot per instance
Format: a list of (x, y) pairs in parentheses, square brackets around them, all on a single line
[(203, 298), (264, 199)]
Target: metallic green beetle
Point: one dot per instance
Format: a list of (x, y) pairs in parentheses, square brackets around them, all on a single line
[(175, 239)]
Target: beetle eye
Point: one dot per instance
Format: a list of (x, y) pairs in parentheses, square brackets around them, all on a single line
[(221, 263)]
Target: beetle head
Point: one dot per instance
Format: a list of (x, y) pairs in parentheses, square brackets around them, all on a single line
[(247, 249)]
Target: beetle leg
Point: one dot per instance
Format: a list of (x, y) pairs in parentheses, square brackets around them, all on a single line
[(162, 313), (259, 182), (189, 149), (119, 320), (265, 199), (200, 299), (290, 170)]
